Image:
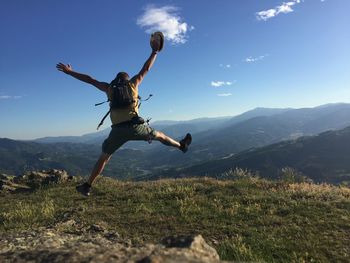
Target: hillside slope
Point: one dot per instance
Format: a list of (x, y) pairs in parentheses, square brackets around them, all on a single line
[(171, 128), (17, 157), (255, 132), (219, 138), (244, 218), (323, 158)]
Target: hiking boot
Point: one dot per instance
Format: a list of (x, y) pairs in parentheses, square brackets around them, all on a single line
[(84, 189), (185, 142)]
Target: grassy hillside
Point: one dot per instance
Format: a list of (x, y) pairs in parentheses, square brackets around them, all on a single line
[(323, 158), (243, 217)]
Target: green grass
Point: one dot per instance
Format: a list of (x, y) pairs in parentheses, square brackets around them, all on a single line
[(244, 218)]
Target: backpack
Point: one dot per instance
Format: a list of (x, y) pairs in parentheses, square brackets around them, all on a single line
[(120, 97)]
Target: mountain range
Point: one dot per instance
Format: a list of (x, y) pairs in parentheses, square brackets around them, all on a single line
[(323, 158), (253, 131), (214, 139)]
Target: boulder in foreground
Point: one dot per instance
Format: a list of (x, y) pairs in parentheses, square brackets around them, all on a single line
[(32, 179), (96, 244)]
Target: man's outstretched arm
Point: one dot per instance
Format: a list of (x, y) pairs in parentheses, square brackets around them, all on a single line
[(146, 67), (103, 86)]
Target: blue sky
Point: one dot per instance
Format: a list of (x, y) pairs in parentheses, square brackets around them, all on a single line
[(221, 58)]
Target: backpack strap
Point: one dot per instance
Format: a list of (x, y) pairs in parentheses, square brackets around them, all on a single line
[(98, 104), (138, 106), (140, 100), (103, 119)]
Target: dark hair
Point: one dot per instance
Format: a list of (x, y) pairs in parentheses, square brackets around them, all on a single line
[(121, 76)]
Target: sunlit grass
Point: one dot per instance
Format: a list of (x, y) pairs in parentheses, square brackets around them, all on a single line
[(29, 213), (245, 218)]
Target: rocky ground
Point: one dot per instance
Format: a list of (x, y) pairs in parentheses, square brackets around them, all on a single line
[(32, 180), (245, 218), (70, 242)]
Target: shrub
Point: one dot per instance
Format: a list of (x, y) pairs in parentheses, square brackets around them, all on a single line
[(291, 175)]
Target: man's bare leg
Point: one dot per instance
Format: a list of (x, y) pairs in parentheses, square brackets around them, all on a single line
[(166, 140), (96, 171), (182, 145), (99, 166)]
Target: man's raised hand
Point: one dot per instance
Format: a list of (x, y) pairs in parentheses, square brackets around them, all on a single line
[(64, 68)]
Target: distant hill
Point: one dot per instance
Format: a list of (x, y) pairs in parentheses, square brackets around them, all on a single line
[(257, 112), (171, 128), (213, 138), (89, 138), (76, 158), (256, 132), (323, 158), (175, 129)]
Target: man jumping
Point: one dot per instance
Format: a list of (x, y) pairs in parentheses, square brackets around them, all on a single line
[(122, 93)]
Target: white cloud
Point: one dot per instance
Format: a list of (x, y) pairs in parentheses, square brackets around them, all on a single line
[(224, 94), (225, 65), (217, 83), (254, 59), (7, 97), (220, 83), (166, 20), (284, 8)]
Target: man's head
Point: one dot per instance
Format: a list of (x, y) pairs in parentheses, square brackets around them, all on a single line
[(121, 77)]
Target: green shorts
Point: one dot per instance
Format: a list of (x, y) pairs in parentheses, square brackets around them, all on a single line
[(121, 133)]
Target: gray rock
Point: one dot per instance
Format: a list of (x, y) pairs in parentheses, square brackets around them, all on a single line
[(54, 245), (47, 176), (9, 185), (32, 179)]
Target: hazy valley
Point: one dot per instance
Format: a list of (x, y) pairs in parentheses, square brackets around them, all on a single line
[(219, 144)]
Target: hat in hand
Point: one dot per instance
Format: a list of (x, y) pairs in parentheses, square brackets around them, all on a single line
[(157, 41)]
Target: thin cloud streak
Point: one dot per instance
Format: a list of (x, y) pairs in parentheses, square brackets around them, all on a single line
[(166, 20), (220, 83), (252, 59), (284, 8), (8, 97), (225, 65), (224, 94)]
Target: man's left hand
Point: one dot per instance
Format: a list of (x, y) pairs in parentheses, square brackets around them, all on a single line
[(64, 68)]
